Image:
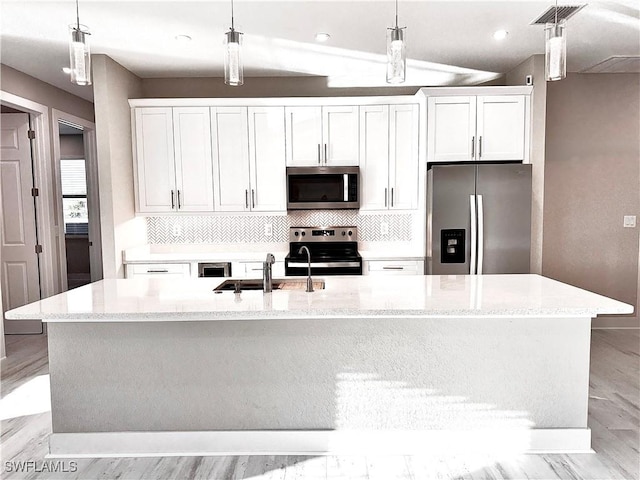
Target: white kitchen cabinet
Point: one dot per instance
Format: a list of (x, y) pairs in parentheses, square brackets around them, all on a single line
[(230, 137), (394, 267), (477, 128), (254, 269), (161, 270), (173, 160), (322, 136), (389, 158), (267, 168), (249, 164)]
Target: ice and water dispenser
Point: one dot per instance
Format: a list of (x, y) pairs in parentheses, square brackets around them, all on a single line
[(452, 246)]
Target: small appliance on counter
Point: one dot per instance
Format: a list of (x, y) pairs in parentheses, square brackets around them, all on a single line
[(312, 188), (478, 219), (333, 251)]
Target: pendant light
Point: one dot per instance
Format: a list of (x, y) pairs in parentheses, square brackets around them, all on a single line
[(555, 49), (233, 74), (79, 54), (396, 53)]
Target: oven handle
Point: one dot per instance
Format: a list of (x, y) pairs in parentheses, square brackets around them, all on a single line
[(322, 264)]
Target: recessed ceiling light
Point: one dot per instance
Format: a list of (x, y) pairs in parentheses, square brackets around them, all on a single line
[(66, 70), (322, 37), (500, 34), (182, 38)]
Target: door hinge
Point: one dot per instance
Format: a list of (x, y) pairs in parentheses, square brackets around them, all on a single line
[(31, 134), (38, 248), (35, 192)]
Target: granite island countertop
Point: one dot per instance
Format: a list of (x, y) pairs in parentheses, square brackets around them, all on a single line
[(478, 296)]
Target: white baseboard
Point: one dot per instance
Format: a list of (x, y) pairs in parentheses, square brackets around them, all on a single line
[(318, 442)]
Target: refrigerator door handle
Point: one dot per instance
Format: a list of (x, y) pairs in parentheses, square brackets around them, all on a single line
[(474, 237), (480, 234)]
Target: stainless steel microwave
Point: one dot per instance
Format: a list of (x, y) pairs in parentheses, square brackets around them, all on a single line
[(314, 188)]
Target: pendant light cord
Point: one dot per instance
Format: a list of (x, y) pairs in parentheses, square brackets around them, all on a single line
[(78, 14), (556, 13), (232, 14), (397, 13)]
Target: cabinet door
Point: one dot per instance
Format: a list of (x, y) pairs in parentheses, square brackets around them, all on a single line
[(403, 156), (501, 127), (394, 267), (156, 177), (451, 126), (194, 165), (340, 135), (304, 136), (267, 159), (374, 157), (230, 139)]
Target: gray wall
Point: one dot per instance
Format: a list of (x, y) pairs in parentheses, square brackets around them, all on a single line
[(592, 179), (121, 229), (534, 66), (71, 146)]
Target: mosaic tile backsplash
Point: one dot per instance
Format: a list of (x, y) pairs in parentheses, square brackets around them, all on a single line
[(251, 229)]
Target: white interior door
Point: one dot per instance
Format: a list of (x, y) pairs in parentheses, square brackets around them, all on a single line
[(19, 266)]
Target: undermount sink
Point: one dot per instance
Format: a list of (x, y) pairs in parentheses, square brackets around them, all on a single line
[(277, 284)]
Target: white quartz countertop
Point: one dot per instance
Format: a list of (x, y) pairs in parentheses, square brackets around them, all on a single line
[(156, 299)]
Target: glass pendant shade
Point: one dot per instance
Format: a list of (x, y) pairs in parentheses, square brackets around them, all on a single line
[(79, 54), (233, 74), (556, 51), (396, 55)]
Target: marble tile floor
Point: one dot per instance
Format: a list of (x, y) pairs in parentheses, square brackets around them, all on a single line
[(614, 417)]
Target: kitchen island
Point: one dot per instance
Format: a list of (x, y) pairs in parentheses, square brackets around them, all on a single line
[(367, 364)]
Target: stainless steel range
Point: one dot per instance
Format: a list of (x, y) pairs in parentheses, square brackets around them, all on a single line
[(333, 251)]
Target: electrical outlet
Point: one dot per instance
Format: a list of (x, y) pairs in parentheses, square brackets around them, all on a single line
[(268, 229), (629, 221), (177, 231), (384, 228)]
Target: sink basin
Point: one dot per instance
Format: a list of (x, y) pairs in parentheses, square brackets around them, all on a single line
[(278, 284)]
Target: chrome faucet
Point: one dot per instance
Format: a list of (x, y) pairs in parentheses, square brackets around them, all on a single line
[(267, 277), (309, 281)]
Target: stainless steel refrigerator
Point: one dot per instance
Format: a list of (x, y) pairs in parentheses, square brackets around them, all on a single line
[(478, 219)]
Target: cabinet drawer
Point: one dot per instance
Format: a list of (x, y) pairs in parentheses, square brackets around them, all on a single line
[(399, 267), (158, 269), (254, 269)]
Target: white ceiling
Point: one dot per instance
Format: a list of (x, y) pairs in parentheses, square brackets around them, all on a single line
[(449, 42)]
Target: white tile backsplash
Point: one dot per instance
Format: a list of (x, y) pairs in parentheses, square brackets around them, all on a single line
[(251, 228)]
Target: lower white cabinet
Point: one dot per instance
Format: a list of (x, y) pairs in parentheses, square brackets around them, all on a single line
[(394, 267), (254, 269), (148, 270)]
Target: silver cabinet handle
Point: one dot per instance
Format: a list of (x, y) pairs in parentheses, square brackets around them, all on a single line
[(164, 270), (325, 153), (253, 198), (393, 268), (173, 203), (179, 206), (319, 154), (392, 196), (473, 146), (385, 198), (480, 234), (246, 198), (474, 234), (480, 147)]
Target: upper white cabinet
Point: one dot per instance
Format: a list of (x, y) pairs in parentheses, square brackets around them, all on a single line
[(173, 160), (389, 157), (266, 159), (477, 128), (322, 136), (249, 165)]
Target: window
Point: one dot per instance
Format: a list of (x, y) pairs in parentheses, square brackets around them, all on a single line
[(74, 197)]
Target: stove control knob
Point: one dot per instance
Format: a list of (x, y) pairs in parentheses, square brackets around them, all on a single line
[(304, 233), (296, 234), (350, 233), (344, 233)]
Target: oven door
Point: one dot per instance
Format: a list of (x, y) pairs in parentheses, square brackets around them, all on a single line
[(339, 267)]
